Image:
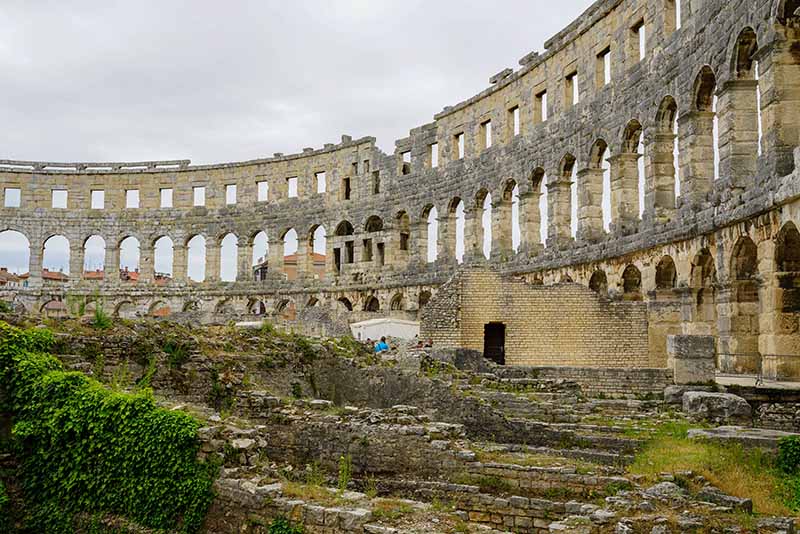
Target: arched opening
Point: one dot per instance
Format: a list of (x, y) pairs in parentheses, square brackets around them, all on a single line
[(456, 222), (539, 183), (15, 257), (739, 353), (561, 208), (432, 218), (159, 309), (787, 259), (706, 130), (373, 250), (664, 162), (317, 246), (191, 306), (196, 258), (289, 256), (256, 307), (507, 217), (125, 310), (129, 259), (397, 303), (55, 259), (631, 283), (94, 257), (260, 255), (594, 193), (373, 224), (344, 304), (228, 257), (312, 302), (163, 256), (629, 203), (403, 226), (666, 274), (483, 202), (372, 304), (599, 283), (343, 246), (788, 11), (704, 280), (55, 309), (224, 307)]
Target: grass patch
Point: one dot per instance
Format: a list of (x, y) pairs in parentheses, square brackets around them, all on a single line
[(390, 509), (310, 492), (748, 473), (535, 460)]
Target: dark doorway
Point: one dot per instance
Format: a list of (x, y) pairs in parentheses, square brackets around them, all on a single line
[(494, 342)]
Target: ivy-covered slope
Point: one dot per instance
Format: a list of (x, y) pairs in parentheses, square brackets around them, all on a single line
[(85, 449)]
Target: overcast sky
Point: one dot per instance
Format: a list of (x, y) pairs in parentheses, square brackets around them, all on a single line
[(224, 81)]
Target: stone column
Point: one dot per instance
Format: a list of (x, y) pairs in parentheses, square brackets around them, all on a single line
[(738, 132), (244, 262), (590, 204), (696, 144), (419, 242), (303, 257), (726, 315), (446, 242), (212, 261), (779, 72), (35, 265), (692, 358), (531, 220), (146, 263), (624, 192), (559, 212), (179, 263), (473, 235), (76, 262), (275, 254), (111, 265), (659, 195), (502, 238)]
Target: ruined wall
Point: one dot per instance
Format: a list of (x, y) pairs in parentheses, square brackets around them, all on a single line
[(562, 324), (551, 152)]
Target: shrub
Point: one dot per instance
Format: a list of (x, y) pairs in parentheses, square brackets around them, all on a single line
[(85, 449), (789, 454), (101, 320), (345, 471), (281, 525), (177, 352)]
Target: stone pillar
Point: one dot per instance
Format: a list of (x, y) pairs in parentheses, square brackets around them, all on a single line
[(659, 195), (738, 132), (303, 257), (624, 192), (111, 265), (146, 263), (446, 242), (212, 261), (180, 264), (696, 143), (275, 254), (779, 72), (473, 235), (502, 238), (590, 204), (75, 262), (530, 223), (35, 265), (244, 262), (419, 242), (691, 358), (726, 315), (558, 211)]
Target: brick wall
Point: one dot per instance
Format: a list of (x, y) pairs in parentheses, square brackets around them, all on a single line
[(562, 324)]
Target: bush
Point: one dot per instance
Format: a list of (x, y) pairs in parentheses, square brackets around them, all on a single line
[(101, 320), (789, 454), (85, 449), (282, 526)]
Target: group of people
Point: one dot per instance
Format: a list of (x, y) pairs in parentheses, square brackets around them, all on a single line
[(379, 346)]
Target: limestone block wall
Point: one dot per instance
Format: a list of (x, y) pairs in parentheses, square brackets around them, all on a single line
[(562, 324)]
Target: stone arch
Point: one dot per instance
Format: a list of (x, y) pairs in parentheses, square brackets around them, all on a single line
[(344, 228), (742, 63), (788, 10), (453, 231), (631, 283), (286, 310), (739, 346), (191, 306), (159, 309), (594, 193), (372, 304), (259, 241), (17, 248), (228, 257), (632, 169), (94, 257), (701, 170), (705, 84), (54, 308), (703, 279), (664, 159), (397, 303), (564, 219), (403, 228), (289, 256), (787, 266), (196, 258), (429, 246), (317, 250), (536, 214), (343, 245), (224, 307), (373, 224), (506, 224), (344, 302), (666, 273), (129, 258), (125, 310), (256, 306), (163, 258), (312, 302), (56, 257), (599, 282)]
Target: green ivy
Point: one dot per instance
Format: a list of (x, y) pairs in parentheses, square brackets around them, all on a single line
[(83, 448), (789, 454)]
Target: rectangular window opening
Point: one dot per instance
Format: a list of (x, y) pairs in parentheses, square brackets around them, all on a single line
[(640, 39), (381, 255), (291, 187), (572, 93), (376, 182), (166, 197), (59, 199), (199, 195), (434, 155), (322, 184), (604, 68), (230, 194), (459, 145), (513, 120), (346, 189), (365, 166), (132, 198), (540, 110), (486, 134), (355, 168), (367, 250), (262, 190), (12, 197), (98, 199), (404, 237)]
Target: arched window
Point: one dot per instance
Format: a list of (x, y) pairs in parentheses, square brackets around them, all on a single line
[(666, 275), (539, 183), (344, 304), (163, 252), (15, 252), (397, 302), (433, 234), (94, 257), (129, 259), (632, 283), (260, 248), (484, 203), (707, 127), (55, 259), (228, 257), (196, 258), (599, 283), (372, 304)]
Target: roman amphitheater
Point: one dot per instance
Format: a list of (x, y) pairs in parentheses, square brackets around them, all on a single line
[(636, 180)]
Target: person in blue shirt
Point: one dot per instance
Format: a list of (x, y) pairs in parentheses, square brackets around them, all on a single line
[(381, 346)]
